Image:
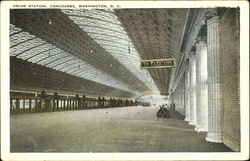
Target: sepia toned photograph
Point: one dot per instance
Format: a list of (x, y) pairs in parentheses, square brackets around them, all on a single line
[(114, 79)]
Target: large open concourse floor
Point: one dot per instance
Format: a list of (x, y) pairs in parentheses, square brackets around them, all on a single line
[(124, 129)]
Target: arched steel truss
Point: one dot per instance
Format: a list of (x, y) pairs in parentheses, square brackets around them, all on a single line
[(102, 26)]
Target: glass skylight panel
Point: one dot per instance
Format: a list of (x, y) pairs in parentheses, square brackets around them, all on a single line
[(105, 28), (56, 60), (78, 67), (83, 69), (63, 62), (97, 14), (32, 51), (20, 38), (41, 56), (21, 35), (14, 30), (72, 67), (38, 51), (30, 54), (27, 46), (115, 49), (53, 55), (65, 66), (53, 64)]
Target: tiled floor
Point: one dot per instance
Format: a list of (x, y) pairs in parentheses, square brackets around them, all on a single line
[(126, 129)]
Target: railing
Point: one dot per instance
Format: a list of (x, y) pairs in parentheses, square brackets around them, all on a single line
[(30, 103)]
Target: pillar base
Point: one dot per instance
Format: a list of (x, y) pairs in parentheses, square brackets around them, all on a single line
[(197, 128), (192, 122), (201, 129), (187, 119), (214, 137)]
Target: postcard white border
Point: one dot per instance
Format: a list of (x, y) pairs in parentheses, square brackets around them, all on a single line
[(244, 86)]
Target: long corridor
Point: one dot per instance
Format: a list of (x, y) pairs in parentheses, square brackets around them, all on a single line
[(123, 129)]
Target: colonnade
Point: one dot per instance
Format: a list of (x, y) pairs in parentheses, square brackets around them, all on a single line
[(197, 94), (214, 93), (179, 96), (201, 86)]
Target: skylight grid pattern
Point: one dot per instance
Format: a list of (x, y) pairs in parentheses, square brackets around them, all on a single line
[(13, 29), (35, 50), (105, 28), (19, 38)]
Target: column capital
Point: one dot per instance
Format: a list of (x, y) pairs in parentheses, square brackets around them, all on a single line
[(211, 12), (201, 41), (214, 19), (191, 54), (211, 16)]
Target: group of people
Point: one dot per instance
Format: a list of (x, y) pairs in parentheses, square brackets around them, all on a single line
[(164, 110), (171, 106)]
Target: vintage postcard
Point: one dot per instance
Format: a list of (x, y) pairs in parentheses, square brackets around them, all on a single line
[(124, 80)]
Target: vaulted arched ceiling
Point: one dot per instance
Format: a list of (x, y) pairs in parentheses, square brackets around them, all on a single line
[(103, 46), (156, 34)]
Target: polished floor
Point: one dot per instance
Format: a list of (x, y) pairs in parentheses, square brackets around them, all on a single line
[(126, 129)]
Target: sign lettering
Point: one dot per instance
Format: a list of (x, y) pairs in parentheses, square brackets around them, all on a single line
[(158, 63)]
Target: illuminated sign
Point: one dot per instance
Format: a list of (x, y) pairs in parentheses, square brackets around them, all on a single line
[(158, 63)]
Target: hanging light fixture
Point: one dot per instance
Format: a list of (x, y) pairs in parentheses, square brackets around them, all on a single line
[(50, 22)]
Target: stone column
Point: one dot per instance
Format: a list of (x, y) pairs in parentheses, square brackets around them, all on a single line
[(214, 92), (192, 66), (187, 94), (182, 93), (179, 95), (201, 86)]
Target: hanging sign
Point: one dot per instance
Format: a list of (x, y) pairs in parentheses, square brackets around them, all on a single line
[(158, 63)]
